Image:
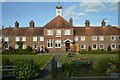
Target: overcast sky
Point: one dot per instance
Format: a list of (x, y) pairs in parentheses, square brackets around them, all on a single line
[(43, 12)]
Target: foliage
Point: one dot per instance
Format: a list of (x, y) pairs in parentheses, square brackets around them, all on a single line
[(29, 48), (89, 48), (20, 44), (25, 70), (109, 48)]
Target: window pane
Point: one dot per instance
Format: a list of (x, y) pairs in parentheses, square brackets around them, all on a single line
[(67, 32)]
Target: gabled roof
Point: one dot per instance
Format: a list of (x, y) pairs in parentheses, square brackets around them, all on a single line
[(58, 22), (91, 31), (23, 31)]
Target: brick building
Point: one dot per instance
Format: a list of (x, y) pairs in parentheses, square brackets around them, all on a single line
[(61, 35)]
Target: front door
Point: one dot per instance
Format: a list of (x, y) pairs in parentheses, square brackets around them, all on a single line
[(67, 46)]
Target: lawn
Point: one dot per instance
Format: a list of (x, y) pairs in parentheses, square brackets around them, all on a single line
[(100, 65), (95, 57), (39, 60)]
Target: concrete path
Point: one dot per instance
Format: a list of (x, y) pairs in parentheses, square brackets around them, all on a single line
[(46, 72)]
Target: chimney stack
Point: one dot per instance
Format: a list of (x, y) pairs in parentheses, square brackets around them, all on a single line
[(31, 24), (71, 21), (16, 24), (87, 23), (103, 23)]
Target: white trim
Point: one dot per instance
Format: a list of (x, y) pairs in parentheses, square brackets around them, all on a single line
[(114, 38), (67, 40), (94, 38), (101, 38), (96, 46), (119, 37), (113, 44), (83, 45), (103, 46), (82, 38)]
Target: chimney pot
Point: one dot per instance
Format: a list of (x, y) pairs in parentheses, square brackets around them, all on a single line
[(16, 24)]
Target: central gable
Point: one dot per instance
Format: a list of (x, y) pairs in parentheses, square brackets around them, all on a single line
[(58, 22)]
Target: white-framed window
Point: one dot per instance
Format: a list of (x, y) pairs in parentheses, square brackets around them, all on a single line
[(94, 38), (113, 46), (101, 46), (50, 43), (119, 37), (58, 33), (41, 38), (94, 46), (17, 38), (82, 46), (119, 45), (101, 38), (6, 39), (23, 38), (49, 32), (82, 38), (0, 38), (113, 38), (76, 38), (24, 46), (58, 43), (16, 46), (67, 32), (34, 38)]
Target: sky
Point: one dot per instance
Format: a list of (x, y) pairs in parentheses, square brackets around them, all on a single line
[(43, 12)]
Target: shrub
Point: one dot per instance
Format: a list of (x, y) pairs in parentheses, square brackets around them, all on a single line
[(25, 69), (109, 48)]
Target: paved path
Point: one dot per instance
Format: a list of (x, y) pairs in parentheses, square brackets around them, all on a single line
[(46, 72)]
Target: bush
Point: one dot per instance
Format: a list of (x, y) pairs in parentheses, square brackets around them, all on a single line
[(109, 48), (25, 69)]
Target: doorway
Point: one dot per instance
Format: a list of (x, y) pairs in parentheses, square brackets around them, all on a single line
[(67, 46)]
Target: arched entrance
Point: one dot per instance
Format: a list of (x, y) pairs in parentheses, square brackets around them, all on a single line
[(68, 43)]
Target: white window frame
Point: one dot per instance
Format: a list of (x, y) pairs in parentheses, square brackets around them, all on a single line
[(16, 46), (49, 32), (113, 44), (67, 32), (83, 45), (17, 38), (76, 38), (6, 38), (41, 38), (96, 46), (34, 38), (119, 37), (113, 37), (118, 46), (82, 38), (58, 33), (102, 45), (94, 38), (50, 42), (23, 38), (101, 38), (58, 43), (24, 46)]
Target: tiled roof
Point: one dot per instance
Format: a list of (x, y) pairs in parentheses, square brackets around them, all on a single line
[(58, 22), (91, 31), (23, 31)]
